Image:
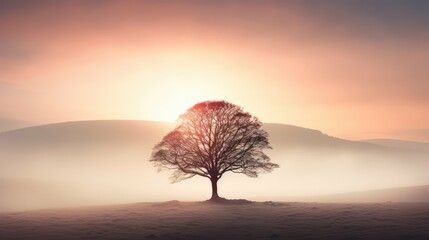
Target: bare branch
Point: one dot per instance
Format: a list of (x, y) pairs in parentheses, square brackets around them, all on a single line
[(213, 138)]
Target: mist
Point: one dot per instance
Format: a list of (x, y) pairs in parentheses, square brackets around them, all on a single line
[(106, 162)]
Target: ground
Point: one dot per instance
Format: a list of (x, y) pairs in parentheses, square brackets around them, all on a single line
[(240, 220)]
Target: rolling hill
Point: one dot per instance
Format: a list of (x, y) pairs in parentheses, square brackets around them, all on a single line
[(105, 161), (7, 124), (136, 131), (400, 144)]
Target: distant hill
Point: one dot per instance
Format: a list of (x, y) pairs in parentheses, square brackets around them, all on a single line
[(106, 161), (419, 135), (400, 144), (7, 124), (76, 134), (129, 131), (288, 136)]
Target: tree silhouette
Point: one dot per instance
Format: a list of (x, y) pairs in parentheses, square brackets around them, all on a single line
[(210, 139)]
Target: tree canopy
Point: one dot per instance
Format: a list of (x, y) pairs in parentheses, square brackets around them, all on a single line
[(212, 138)]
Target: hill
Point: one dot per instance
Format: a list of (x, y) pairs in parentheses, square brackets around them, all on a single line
[(139, 131), (412, 145), (7, 124), (105, 162)]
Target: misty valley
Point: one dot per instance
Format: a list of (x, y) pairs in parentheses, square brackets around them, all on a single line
[(106, 162)]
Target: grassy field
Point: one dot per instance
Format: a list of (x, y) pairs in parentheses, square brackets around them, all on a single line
[(202, 220)]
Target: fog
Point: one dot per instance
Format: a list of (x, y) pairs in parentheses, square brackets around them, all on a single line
[(106, 162)]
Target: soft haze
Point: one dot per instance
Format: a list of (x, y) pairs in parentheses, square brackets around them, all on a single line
[(106, 162), (353, 69)]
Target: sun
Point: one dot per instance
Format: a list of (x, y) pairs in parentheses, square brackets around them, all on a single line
[(177, 103), (180, 87), (177, 79)]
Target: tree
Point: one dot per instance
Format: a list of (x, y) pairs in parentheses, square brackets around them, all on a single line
[(210, 139)]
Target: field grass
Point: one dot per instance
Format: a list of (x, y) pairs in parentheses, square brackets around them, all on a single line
[(202, 220)]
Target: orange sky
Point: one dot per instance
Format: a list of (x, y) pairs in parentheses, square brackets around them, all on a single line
[(353, 70)]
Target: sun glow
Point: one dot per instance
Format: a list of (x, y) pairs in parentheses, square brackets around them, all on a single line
[(178, 102), (180, 80)]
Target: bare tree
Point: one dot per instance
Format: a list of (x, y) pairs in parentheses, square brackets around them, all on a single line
[(212, 138)]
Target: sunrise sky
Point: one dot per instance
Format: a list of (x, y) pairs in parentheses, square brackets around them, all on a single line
[(352, 69)]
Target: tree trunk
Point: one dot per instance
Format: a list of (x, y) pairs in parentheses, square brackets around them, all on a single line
[(215, 196)]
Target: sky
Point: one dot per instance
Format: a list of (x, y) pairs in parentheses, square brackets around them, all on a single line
[(352, 69)]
